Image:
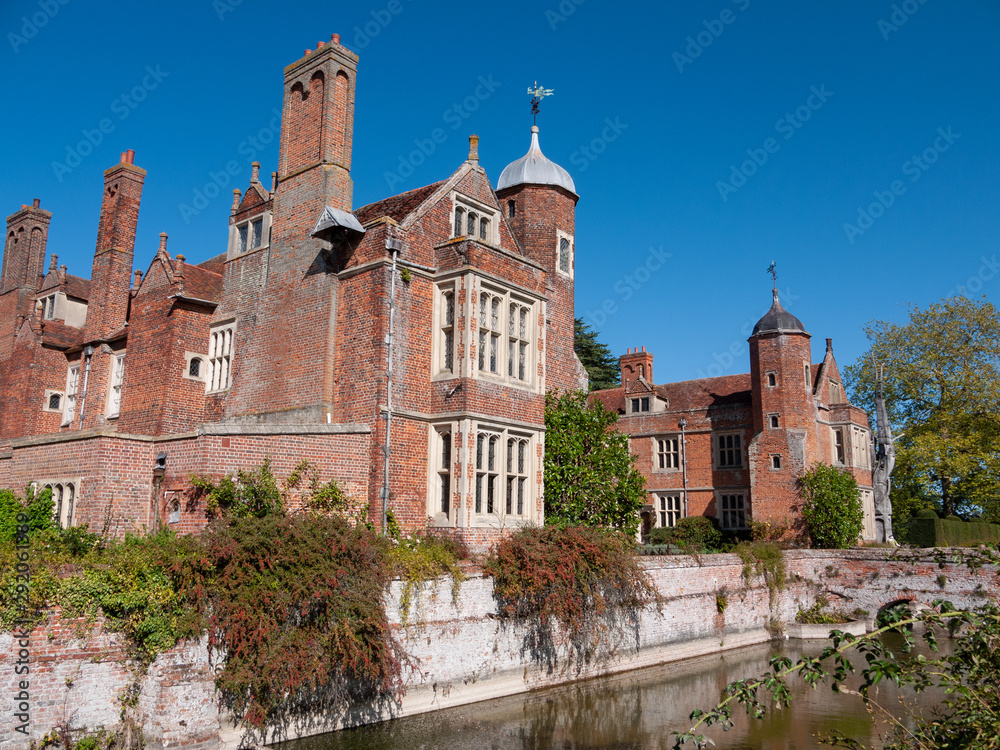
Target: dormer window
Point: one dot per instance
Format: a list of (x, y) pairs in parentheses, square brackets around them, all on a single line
[(476, 220), (640, 404), (247, 236), (48, 307)]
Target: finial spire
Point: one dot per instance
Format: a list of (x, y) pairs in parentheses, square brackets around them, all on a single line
[(537, 93), (774, 275)]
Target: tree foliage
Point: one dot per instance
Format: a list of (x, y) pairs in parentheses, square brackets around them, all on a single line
[(941, 373), (590, 475), (831, 507), (602, 366)]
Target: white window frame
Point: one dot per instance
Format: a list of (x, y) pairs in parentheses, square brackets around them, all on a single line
[(65, 493), (446, 363), (219, 376), (838, 458), (189, 357), (237, 247), (774, 462), (441, 461), (495, 337), (667, 453), (571, 250), (735, 443), (116, 380), (773, 421), (668, 508), (48, 303), (807, 376), (69, 399), (860, 448), (504, 485), (48, 395), (732, 509), (769, 376), (462, 207)]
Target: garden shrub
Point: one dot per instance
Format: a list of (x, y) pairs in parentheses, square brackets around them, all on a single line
[(692, 533), (424, 556), (588, 582), (831, 507)]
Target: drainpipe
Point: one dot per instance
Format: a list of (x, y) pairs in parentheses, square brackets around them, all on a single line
[(684, 463), (394, 246), (88, 353)]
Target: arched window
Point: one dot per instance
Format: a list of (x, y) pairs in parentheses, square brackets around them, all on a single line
[(511, 209), (471, 224), (55, 402), (459, 221), (194, 368), (484, 229)]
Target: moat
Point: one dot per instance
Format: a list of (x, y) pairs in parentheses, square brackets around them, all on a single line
[(635, 710)]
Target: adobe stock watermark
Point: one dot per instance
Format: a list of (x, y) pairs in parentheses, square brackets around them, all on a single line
[(786, 127), (218, 179), (22, 627), (975, 283), (726, 358), (454, 116), (914, 168), (901, 13), (31, 25), (589, 152), (562, 12), (626, 286), (701, 41), (122, 106)]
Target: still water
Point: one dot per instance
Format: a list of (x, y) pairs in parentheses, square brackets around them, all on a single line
[(638, 710)]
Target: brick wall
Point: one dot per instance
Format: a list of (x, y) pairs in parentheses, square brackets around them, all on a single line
[(463, 653)]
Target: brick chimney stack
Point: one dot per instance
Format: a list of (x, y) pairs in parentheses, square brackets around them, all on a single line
[(111, 276), (635, 363)]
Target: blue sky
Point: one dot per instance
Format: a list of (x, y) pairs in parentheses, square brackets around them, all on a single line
[(854, 143)]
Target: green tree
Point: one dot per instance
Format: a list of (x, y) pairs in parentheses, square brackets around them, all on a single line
[(601, 364), (941, 373), (831, 507), (590, 475)]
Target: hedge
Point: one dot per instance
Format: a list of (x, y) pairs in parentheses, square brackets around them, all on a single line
[(951, 532)]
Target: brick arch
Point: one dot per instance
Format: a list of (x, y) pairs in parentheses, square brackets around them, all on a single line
[(36, 256), (317, 91)]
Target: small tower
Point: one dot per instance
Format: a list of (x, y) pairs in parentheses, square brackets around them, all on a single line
[(539, 199)]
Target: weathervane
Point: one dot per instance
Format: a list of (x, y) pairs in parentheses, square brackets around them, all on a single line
[(774, 274), (537, 93)]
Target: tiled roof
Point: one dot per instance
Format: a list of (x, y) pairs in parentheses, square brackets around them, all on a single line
[(77, 287), (200, 283), (215, 265), (398, 207), (689, 394), (60, 335)]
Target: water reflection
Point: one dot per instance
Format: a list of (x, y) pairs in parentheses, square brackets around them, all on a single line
[(634, 711)]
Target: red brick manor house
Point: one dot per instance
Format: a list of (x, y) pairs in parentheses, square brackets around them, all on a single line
[(404, 347)]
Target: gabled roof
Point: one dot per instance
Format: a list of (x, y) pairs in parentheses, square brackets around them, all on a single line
[(200, 282), (727, 390), (396, 207), (214, 265)]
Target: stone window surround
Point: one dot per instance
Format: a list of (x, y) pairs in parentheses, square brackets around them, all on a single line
[(63, 512), (737, 509), (717, 450), (483, 211), (658, 454), (113, 410), (218, 358), (507, 297), (45, 402), (774, 461), (667, 509), (70, 394), (771, 378), (233, 250), (436, 516), (773, 421), (188, 356), (499, 518), (560, 236)]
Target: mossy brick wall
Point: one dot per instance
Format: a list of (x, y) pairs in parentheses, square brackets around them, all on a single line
[(463, 652)]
